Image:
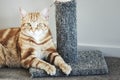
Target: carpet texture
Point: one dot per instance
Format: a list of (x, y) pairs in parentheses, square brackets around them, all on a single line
[(89, 62), (22, 74)]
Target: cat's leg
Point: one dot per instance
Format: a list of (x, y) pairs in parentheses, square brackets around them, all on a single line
[(2, 55), (57, 60), (29, 60)]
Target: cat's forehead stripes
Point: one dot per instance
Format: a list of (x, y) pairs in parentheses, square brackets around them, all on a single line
[(33, 17)]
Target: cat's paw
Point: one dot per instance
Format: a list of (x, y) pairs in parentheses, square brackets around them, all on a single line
[(66, 68), (51, 70)]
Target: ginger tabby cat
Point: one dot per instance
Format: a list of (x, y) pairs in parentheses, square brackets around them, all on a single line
[(27, 46)]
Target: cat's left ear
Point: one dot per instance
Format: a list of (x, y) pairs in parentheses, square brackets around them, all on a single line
[(23, 13), (45, 13)]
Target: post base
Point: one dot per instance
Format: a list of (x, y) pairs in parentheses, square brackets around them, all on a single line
[(90, 62)]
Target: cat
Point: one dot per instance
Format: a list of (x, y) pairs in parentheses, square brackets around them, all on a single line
[(31, 44)]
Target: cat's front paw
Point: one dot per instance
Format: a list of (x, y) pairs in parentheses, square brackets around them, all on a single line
[(51, 70), (66, 68)]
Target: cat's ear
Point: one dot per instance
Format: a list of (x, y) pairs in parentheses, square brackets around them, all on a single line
[(23, 13), (45, 13)]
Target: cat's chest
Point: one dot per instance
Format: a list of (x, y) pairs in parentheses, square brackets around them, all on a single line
[(39, 54)]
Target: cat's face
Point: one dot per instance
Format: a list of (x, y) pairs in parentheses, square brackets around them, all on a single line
[(34, 21), (34, 24)]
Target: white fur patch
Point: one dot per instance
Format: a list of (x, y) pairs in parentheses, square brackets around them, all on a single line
[(37, 35), (39, 54)]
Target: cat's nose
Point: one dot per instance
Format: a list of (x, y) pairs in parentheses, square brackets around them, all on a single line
[(33, 30)]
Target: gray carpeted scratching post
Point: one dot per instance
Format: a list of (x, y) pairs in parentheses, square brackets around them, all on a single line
[(66, 30), (89, 62)]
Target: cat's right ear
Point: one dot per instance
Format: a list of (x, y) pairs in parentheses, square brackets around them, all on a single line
[(23, 13)]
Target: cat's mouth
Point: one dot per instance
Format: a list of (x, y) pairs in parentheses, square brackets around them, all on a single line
[(33, 31)]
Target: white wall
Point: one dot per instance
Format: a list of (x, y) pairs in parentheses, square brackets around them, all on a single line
[(99, 25), (98, 21)]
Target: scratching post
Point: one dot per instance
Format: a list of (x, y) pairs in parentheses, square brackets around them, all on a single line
[(83, 62), (66, 30)]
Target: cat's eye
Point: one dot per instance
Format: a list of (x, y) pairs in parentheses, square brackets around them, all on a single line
[(28, 24)]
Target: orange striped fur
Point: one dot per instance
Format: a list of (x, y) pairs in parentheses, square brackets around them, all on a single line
[(28, 46)]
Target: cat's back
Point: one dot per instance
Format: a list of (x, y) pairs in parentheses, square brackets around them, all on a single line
[(8, 40), (8, 35)]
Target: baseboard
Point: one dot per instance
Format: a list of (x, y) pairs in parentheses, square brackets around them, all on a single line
[(107, 50)]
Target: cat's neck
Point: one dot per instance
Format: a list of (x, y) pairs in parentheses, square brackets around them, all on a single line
[(37, 36)]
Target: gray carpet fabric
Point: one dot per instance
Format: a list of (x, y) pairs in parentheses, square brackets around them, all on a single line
[(66, 30), (23, 74), (89, 62)]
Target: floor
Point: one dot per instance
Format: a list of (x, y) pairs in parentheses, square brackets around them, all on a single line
[(22, 74)]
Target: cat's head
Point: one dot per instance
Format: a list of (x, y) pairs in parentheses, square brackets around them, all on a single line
[(34, 23)]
